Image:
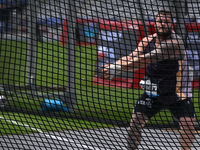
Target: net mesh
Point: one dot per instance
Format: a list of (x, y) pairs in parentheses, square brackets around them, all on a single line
[(55, 95)]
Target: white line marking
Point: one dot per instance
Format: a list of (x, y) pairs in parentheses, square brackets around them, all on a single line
[(47, 135)]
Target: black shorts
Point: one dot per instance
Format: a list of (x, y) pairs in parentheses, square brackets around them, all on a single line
[(150, 107)]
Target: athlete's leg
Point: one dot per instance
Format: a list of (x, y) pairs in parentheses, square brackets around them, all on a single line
[(145, 108), (184, 111), (187, 135), (138, 121)]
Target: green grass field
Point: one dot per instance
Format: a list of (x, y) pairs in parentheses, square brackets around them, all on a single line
[(46, 124), (92, 100)]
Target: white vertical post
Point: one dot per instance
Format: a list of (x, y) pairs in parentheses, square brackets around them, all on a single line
[(32, 46), (70, 94)]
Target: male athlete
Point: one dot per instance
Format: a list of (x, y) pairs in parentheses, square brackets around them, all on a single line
[(166, 83)]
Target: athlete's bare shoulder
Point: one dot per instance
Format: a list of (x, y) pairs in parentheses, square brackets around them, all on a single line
[(176, 39), (176, 45), (170, 48)]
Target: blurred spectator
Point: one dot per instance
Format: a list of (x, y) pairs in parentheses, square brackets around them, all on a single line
[(114, 19), (44, 29), (190, 19), (39, 33), (150, 19), (24, 23), (198, 20)]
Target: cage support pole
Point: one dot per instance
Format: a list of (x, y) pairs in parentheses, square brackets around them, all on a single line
[(180, 11), (32, 47), (70, 94), (141, 14)]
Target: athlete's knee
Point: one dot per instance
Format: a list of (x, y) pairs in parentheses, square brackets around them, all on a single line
[(187, 125), (138, 119), (188, 132), (187, 122)]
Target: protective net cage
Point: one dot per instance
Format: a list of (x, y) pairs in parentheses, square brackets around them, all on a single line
[(99, 74)]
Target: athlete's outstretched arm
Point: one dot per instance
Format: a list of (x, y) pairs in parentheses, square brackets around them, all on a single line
[(138, 51), (141, 46), (171, 49)]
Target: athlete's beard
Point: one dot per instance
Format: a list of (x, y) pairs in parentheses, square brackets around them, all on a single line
[(163, 34)]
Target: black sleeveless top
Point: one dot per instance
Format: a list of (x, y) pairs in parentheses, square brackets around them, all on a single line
[(163, 73)]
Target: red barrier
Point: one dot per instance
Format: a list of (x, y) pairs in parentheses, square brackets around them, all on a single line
[(195, 84), (63, 36)]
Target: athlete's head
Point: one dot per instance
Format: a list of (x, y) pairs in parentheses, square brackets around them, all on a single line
[(164, 22)]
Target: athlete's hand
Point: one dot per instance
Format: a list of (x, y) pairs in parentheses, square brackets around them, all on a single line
[(105, 71), (126, 62)]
